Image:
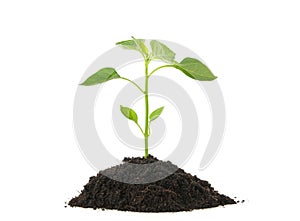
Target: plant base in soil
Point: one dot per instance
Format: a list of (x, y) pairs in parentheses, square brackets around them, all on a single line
[(179, 191)]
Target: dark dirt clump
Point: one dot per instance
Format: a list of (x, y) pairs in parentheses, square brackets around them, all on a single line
[(179, 191)]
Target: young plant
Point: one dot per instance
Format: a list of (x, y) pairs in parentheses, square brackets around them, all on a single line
[(191, 67)]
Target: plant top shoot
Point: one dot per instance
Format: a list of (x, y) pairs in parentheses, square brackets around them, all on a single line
[(191, 67)]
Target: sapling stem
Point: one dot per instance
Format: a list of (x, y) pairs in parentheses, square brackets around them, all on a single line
[(164, 66), (135, 84), (140, 128), (146, 132)]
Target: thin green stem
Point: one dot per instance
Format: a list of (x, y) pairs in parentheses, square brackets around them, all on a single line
[(140, 128), (160, 67), (146, 132), (135, 84)]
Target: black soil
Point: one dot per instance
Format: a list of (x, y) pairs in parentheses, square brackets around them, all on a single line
[(177, 192)]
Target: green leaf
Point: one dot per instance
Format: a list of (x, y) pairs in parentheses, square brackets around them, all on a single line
[(135, 44), (141, 45), (155, 114), (162, 52), (129, 113), (195, 69), (101, 76)]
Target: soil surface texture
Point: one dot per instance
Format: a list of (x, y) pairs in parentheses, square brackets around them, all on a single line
[(179, 191)]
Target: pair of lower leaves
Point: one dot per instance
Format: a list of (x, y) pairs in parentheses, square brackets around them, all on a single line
[(131, 115)]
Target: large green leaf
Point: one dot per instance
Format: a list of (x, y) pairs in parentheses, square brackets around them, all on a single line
[(155, 114), (101, 76), (135, 44), (129, 113), (161, 52), (195, 69)]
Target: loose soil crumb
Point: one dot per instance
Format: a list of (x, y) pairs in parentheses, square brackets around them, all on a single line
[(179, 191)]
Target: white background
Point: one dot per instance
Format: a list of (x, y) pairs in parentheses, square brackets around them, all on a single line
[(253, 46)]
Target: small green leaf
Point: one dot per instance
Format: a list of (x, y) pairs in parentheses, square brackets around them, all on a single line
[(135, 44), (195, 69), (141, 45), (128, 44), (129, 113), (101, 76), (155, 114), (162, 52)]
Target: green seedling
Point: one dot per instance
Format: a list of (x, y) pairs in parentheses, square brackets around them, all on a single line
[(191, 67)]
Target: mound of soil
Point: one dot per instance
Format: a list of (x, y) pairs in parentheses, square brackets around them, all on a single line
[(179, 191)]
